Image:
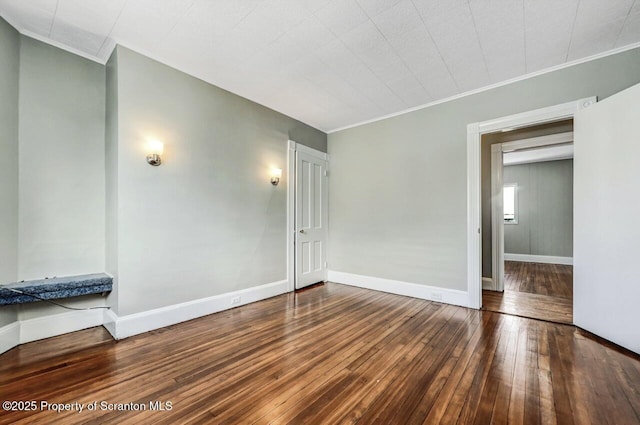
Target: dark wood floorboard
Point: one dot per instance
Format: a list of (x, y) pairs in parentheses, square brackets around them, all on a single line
[(333, 354), (535, 290)]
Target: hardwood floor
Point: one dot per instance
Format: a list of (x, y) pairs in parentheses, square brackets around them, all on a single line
[(539, 291), (332, 354), (554, 280)]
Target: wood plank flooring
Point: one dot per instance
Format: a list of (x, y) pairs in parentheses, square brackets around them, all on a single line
[(539, 291), (333, 354)]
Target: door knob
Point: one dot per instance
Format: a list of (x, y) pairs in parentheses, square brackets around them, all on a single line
[(301, 230)]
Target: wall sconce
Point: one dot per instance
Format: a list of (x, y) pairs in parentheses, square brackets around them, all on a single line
[(276, 173), (154, 149)]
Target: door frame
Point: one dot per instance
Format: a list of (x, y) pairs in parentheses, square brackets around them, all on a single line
[(474, 201), (292, 148), (497, 184)]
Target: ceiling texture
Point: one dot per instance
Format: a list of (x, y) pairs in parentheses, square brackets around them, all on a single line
[(335, 63)]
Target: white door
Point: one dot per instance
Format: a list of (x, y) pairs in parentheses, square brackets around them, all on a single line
[(606, 211), (311, 218)]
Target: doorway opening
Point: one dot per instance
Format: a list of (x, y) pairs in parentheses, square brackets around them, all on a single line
[(475, 131), (527, 221)]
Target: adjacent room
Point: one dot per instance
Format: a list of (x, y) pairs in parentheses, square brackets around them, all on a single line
[(319, 211), (527, 190)]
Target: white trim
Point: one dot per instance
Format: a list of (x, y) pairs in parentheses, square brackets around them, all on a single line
[(492, 86), (125, 326), (424, 292), (59, 324), (109, 322), (537, 142), (474, 211), (69, 49), (27, 33), (291, 214), (546, 259), (313, 152), (545, 154), (487, 283), (9, 336), (497, 219), (107, 49), (538, 116), (23, 331)]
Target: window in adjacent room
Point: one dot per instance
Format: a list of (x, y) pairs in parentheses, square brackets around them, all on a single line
[(510, 203)]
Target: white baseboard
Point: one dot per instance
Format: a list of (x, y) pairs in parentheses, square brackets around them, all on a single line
[(24, 331), (431, 293), (109, 322), (125, 326), (9, 336), (487, 283), (58, 324), (547, 259)]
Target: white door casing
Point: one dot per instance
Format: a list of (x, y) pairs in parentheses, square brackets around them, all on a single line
[(497, 219), (474, 222), (311, 216), (606, 206)]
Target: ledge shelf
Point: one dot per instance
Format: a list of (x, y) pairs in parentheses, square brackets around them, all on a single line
[(56, 288)]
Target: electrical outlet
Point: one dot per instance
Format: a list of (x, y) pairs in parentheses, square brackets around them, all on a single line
[(436, 296), (235, 301)]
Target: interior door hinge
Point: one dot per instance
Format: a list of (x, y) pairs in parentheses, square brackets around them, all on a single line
[(326, 173)]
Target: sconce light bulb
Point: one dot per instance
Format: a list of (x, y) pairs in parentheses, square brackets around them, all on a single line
[(276, 173), (154, 152), (155, 147)]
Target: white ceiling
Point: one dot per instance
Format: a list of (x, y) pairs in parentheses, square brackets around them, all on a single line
[(334, 63)]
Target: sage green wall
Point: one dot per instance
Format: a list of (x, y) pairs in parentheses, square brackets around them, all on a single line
[(545, 209), (9, 77), (62, 110), (398, 196), (53, 104), (207, 221), (61, 225)]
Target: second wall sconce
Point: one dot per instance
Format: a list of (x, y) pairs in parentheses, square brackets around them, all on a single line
[(154, 149), (276, 173)]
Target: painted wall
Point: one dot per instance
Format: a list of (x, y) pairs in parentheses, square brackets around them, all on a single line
[(111, 176), (399, 186), (207, 221), (545, 209), (62, 109), (9, 77), (62, 168), (485, 168), (607, 177)]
